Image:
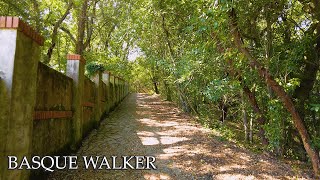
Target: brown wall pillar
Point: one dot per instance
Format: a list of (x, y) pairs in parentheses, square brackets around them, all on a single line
[(98, 109), (19, 57), (106, 80), (75, 70)]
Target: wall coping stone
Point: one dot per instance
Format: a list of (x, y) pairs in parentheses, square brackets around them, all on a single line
[(75, 57), (9, 22)]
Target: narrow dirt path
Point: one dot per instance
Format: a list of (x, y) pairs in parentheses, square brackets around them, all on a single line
[(144, 125)]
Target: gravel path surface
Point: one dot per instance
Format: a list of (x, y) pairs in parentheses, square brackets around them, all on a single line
[(144, 125)]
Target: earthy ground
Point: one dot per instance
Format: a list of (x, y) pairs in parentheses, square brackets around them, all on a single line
[(145, 125)]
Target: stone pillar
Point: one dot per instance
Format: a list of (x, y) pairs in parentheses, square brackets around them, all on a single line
[(121, 89), (106, 80), (117, 89), (113, 94), (75, 70), (98, 109), (19, 56), (127, 88), (124, 89), (123, 94)]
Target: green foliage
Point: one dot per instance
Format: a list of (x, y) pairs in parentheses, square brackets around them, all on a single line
[(92, 68), (316, 142), (275, 126), (315, 107), (188, 53)]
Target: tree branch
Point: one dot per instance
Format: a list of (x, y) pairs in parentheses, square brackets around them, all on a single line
[(55, 33), (73, 39), (279, 91)]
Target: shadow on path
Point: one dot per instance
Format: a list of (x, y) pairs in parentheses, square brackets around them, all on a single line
[(146, 126)]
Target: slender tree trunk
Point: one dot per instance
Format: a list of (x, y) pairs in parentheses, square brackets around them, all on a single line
[(168, 91), (223, 109), (36, 12), (245, 125), (82, 18), (156, 90), (59, 60), (55, 33), (89, 23), (279, 91), (245, 119), (251, 129), (183, 101), (67, 31), (269, 51), (261, 119), (109, 37), (249, 94)]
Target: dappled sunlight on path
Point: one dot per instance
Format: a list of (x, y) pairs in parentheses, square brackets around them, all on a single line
[(144, 125)]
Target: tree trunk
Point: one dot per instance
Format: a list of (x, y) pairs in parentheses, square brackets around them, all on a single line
[(156, 90), (224, 110), (55, 34), (279, 91), (245, 119), (168, 91), (89, 24), (250, 95), (37, 15), (261, 119), (183, 101), (251, 129), (245, 125), (82, 18), (269, 51), (109, 37)]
